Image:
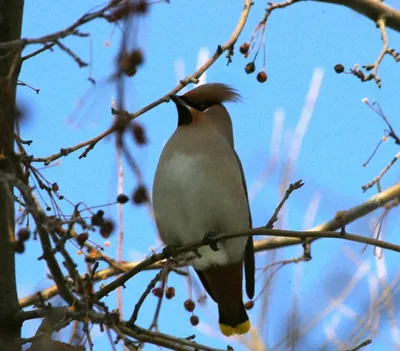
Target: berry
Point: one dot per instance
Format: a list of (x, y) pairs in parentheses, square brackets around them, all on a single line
[(194, 320), (24, 234), (19, 246), (128, 62), (170, 293), (244, 48), (189, 305), (98, 219), (81, 238), (157, 292), (106, 229), (139, 134), (250, 67), (249, 305), (262, 77), (339, 68), (122, 199), (142, 6), (140, 195)]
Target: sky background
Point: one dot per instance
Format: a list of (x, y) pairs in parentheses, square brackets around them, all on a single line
[(303, 41)]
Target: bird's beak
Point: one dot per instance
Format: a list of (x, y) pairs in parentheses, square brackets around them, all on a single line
[(177, 100)]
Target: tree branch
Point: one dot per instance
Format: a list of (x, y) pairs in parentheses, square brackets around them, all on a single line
[(193, 78), (372, 9), (72, 29), (342, 218)]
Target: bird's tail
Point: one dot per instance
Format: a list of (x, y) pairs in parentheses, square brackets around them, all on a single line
[(225, 283)]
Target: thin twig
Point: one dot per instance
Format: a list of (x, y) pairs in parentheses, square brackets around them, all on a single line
[(189, 79), (348, 216), (380, 175), (361, 345), (37, 52), (139, 304), (291, 188)]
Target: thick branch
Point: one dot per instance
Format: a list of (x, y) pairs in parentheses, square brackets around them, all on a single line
[(10, 29), (372, 9), (345, 217), (48, 254)]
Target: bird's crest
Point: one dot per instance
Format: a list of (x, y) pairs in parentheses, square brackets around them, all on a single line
[(207, 95)]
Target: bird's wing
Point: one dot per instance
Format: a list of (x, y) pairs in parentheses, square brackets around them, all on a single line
[(204, 281), (249, 259)]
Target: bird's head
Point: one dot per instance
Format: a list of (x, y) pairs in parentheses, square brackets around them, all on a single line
[(192, 104)]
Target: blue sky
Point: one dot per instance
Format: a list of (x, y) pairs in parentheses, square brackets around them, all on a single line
[(341, 135)]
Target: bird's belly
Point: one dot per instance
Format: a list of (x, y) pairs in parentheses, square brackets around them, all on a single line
[(192, 200)]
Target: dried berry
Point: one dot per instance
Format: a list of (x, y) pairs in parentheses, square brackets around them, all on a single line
[(120, 123), (24, 234), (249, 305), (142, 6), (81, 238), (107, 228), (139, 134), (120, 12), (157, 292), (194, 320), (126, 9), (97, 219), (19, 246), (339, 68), (170, 293), (55, 187), (128, 62), (244, 48), (189, 305), (140, 195), (48, 208), (262, 77), (250, 67), (122, 199)]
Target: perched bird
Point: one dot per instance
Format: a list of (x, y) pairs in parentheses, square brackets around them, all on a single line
[(199, 187)]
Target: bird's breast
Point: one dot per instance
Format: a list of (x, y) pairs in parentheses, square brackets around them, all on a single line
[(197, 193)]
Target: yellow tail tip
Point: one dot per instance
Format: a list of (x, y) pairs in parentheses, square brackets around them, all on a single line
[(240, 329)]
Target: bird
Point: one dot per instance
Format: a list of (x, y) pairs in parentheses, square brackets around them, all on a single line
[(199, 187)]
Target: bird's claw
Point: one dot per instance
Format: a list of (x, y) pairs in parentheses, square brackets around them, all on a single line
[(211, 239), (170, 251)]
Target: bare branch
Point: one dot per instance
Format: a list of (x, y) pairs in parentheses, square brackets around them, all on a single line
[(377, 179), (72, 29), (192, 78), (274, 217), (361, 345), (39, 217), (346, 217), (373, 10)]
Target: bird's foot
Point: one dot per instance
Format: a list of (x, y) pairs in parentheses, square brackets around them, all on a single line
[(211, 239), (170, 251)]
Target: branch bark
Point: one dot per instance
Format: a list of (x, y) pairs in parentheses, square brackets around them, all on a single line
[(341, 218), (10, 29), (372, 9)]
